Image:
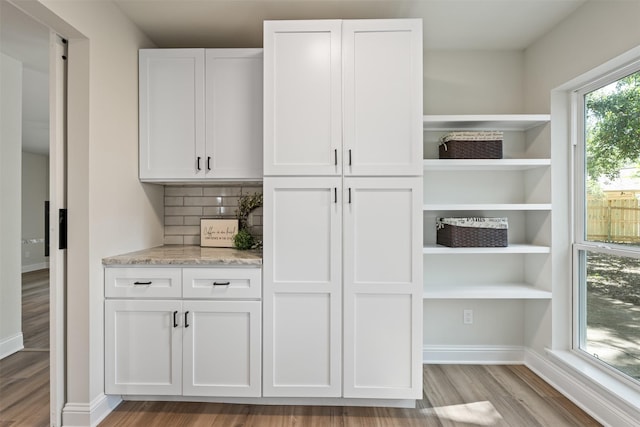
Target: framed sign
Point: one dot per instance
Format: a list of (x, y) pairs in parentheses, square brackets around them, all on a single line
[(218, 233)]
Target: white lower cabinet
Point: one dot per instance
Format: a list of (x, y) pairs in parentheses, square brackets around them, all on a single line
[(382, 279), (185, 346), (303, 289), (343, 287), (143, 348), (221, 348)]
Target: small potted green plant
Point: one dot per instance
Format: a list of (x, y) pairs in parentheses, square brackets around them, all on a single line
[(244, 239)]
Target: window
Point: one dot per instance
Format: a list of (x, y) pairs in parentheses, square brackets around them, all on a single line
[(607, 232)]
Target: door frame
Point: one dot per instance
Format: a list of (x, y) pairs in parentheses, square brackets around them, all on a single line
[(59, 122), (57, 200)]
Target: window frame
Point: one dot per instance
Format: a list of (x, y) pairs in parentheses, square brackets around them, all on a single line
[(580, 245)]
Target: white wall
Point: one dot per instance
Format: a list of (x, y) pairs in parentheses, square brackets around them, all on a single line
[(473, 82), (10, 152), (35, 190), (110, 211), (595, 33)]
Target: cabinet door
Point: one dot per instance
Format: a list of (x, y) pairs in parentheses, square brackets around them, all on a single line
[(233, 114), (171, 115), (143, 347), (383, 288), (382, 97), (302, 98), (222, 348), (302, 287)]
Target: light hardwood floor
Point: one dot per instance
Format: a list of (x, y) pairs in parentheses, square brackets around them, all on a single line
[(454, 395), (24, 376)]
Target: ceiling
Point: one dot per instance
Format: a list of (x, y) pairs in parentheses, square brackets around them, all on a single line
[(447, 25)]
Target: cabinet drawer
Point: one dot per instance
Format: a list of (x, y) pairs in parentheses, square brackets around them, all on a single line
[(222, 282), (143, 282)]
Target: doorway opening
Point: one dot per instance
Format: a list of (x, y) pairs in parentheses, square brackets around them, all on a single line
[(32, 155)]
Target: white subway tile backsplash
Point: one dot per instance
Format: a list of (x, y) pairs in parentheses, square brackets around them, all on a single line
[(230, 201), (171, 190), (222, 211), (181, 230), (174, 201), (223, 191), (173, 240), (192, 240), (175, 220), (192, 220), (186, 204), (182, 210), (203, 201)]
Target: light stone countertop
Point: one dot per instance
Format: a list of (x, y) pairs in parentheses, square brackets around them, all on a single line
[(186, 255)]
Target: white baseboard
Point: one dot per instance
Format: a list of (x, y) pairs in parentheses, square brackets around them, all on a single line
[(280, 401), (569, 375), (11, 345), (89, 414), (472, 355), (35, 267)]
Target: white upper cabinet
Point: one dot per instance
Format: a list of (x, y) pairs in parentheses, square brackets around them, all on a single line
[(302, 98), (382, 86), (200, 114), (171, 113), (234, 113), (343, 97)]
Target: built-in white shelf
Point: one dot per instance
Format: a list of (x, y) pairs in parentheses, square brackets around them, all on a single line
[(504, 122), (484, 291), (480, 187), (486, 207), (513, 248), (484, 164)]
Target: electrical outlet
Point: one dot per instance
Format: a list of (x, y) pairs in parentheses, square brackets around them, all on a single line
[(27, 254), (467, 317)]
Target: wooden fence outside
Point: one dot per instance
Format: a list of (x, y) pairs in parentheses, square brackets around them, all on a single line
[(613, 220)]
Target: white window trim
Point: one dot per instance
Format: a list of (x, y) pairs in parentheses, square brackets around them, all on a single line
[(579, 200), (593, 387)]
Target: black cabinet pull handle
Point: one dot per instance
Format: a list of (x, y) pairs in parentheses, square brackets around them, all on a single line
[(349, 194), (142, 283), (198, 165), (221, 283), (186, 319), (335, 194), (208, 163), (349, 156), (175, 319), (335, 157)]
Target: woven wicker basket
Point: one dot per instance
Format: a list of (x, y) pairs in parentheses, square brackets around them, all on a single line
[(471, 237), (470, 150)]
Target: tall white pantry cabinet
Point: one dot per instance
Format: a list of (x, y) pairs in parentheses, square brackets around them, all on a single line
[(342, 283)]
